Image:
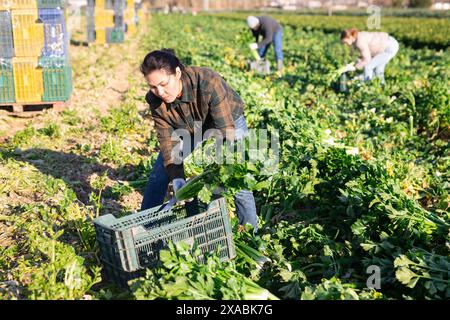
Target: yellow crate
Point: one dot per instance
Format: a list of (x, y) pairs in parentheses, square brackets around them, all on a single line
[(99, 4), (28, 83), (27, 34), (128, 16), (100, 36), (17, 4), (131, 28), (142, 16), (5, 5), (40, 81), (130, 4), (104, 18)]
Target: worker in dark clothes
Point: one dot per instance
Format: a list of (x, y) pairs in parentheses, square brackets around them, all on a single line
[(271, 31)]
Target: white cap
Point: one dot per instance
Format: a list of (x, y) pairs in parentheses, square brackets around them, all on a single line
[(252, 22)]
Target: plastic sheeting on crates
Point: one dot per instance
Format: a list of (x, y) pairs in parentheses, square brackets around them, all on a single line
[(55, 31)]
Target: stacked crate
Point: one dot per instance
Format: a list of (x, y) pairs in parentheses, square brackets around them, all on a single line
[(6, 55), (117, 33), (105, 22), (22, 40), (33, 48), (55, 60), (130, 17)]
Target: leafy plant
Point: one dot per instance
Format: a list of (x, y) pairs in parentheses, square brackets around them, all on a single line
[(183, 277)]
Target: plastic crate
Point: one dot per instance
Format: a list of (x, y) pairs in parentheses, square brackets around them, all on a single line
[(55, 31), (6, 35), (115, 35), (40, 80), (261, 66), (52, 3), (90, 35), (99, 3), (119, 22), (131, 244), (6, 81), (130, 28), (117, 5), (57, 78), (90, 17), (27, 34), (17, 4), (104, 18), (109, 4), (100, 36), (27, 80)]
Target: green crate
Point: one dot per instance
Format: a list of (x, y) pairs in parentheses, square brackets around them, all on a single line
[(52, 3), (115, 35), (131, 244), (57, 77), (6, 81)]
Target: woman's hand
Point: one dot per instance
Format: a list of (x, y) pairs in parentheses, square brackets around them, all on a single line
[(177, 184)]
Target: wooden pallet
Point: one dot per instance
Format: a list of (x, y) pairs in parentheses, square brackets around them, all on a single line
[(26, 109)]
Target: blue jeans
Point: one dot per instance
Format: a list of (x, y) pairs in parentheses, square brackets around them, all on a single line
[(277, 46), (158, 181), (376, 66)]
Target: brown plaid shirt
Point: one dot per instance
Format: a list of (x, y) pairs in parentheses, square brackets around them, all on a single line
[(206, 97)]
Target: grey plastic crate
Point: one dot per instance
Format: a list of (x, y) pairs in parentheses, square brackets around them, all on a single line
[(6, 35), (90, 17), (90, 35), (261, 66), (117, 5), (119, 22), (132, 243)]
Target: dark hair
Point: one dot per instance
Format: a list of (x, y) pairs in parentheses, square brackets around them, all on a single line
[(349, 32), (161, 59)]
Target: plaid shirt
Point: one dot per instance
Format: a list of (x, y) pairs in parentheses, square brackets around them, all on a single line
[(206, 97)]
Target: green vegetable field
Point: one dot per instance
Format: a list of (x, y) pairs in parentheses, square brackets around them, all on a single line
[(359, 206)]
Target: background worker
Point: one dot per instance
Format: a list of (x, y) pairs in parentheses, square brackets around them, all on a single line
[(271, 31), (376, 50)]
